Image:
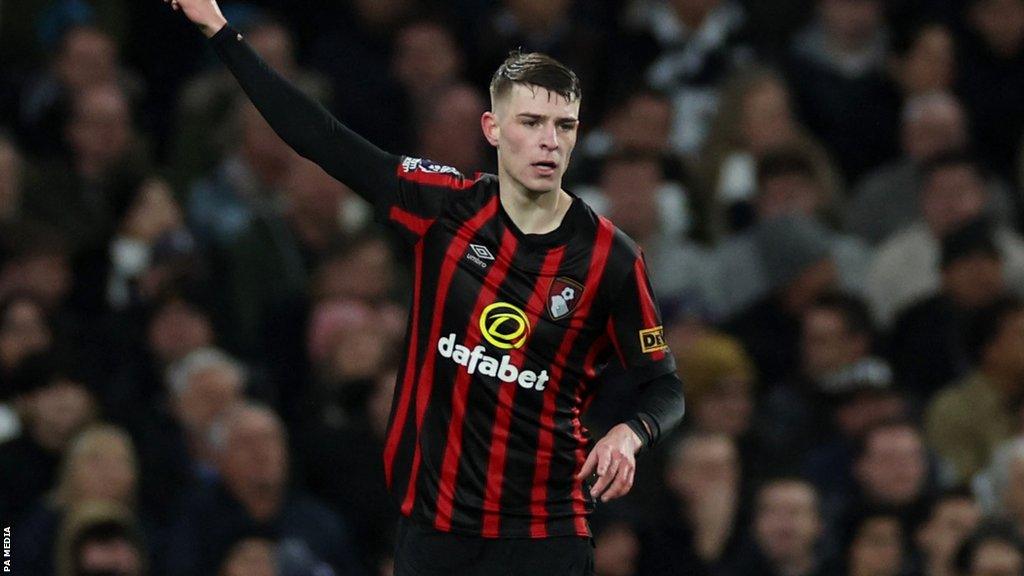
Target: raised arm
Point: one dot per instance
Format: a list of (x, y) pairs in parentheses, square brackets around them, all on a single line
[(299, 120)]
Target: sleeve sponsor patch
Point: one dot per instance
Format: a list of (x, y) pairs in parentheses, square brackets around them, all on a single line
[(652, 340), (421, 165)]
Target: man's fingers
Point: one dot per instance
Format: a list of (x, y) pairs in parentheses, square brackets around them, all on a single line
[(588, 466), (622, 484), (611, 466)]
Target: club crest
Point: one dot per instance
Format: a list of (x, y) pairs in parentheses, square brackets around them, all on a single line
[(563, 296)]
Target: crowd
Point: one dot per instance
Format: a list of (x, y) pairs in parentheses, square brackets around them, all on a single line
[(199, 329)]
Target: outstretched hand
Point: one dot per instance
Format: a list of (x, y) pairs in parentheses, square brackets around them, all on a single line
[(614, 460), (203, 13)]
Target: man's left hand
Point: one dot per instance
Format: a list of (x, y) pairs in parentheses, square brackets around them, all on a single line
[(614, 460)]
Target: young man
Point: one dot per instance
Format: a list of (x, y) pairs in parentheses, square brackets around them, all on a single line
[(521, 295)]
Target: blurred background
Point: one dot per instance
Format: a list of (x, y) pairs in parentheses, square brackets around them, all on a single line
[(199, 330)]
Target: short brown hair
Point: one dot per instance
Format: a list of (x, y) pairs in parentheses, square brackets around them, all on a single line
[(535, 69)]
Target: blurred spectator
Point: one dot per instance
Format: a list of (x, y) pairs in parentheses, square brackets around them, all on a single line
[(206, 103), (787, 530), (426, 79), (789, 187), (354, 49), (37, 264), (101, 538), (641, 122), (86, 57), (696, 525), (993, 549), (953, 517), (992, 78), (837, 71), (906, 268), (24, 329), (886, 199), (99, 465), (837, 374), (151, 339), (755, 120), (922, 59), (271, 259), (798, 266), (891, 469), (173, 424), (686, 49), (150, 230), (876, 545), (253, 494), (449, 130), (543, 26), (720, 382), (246, 185), (927, 347), (203, 386), (340, 460), (635, 193), (969, 419), (54, 406), (12, 175), (77, 195)]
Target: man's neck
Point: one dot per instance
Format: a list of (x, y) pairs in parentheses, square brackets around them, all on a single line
[(533, 213)]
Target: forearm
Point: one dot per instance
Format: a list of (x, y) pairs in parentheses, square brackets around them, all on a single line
[(303, 123), (659, 410)]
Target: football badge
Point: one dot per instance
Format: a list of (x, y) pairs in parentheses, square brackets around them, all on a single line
[(563, 296)]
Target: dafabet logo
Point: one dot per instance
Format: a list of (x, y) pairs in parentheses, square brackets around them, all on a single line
[(506, 327)]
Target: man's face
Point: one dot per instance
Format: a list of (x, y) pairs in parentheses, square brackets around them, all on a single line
[(893, 468), (787, 522), (535, 131), (951, 522), (702, 466), (114, 556), (974, 281), (877, 548), (255, 460), (951, 196), (1001, 23), (936, 128), (632, 188), (23, 330), (827, 344), (851, 22), (996, 558)]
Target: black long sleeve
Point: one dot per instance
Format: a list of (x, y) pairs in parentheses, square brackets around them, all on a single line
[(304, 124), (661, 408)]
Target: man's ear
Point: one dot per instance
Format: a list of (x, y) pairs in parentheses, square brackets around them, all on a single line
[(489, 124)]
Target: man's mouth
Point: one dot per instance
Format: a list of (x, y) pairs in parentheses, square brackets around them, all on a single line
[(545, 166)]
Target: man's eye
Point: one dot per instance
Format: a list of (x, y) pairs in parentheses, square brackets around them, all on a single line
[(529, 122)]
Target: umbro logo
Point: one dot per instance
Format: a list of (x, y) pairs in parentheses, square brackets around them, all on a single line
[(481, 251), (479, 255)]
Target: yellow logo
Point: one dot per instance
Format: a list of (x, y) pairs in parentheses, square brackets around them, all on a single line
[(652, 340), (504, 325)]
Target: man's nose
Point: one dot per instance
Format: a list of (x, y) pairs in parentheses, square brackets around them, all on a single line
[(549, 138)]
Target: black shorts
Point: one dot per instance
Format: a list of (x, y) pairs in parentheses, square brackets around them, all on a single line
[(424, 551)]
